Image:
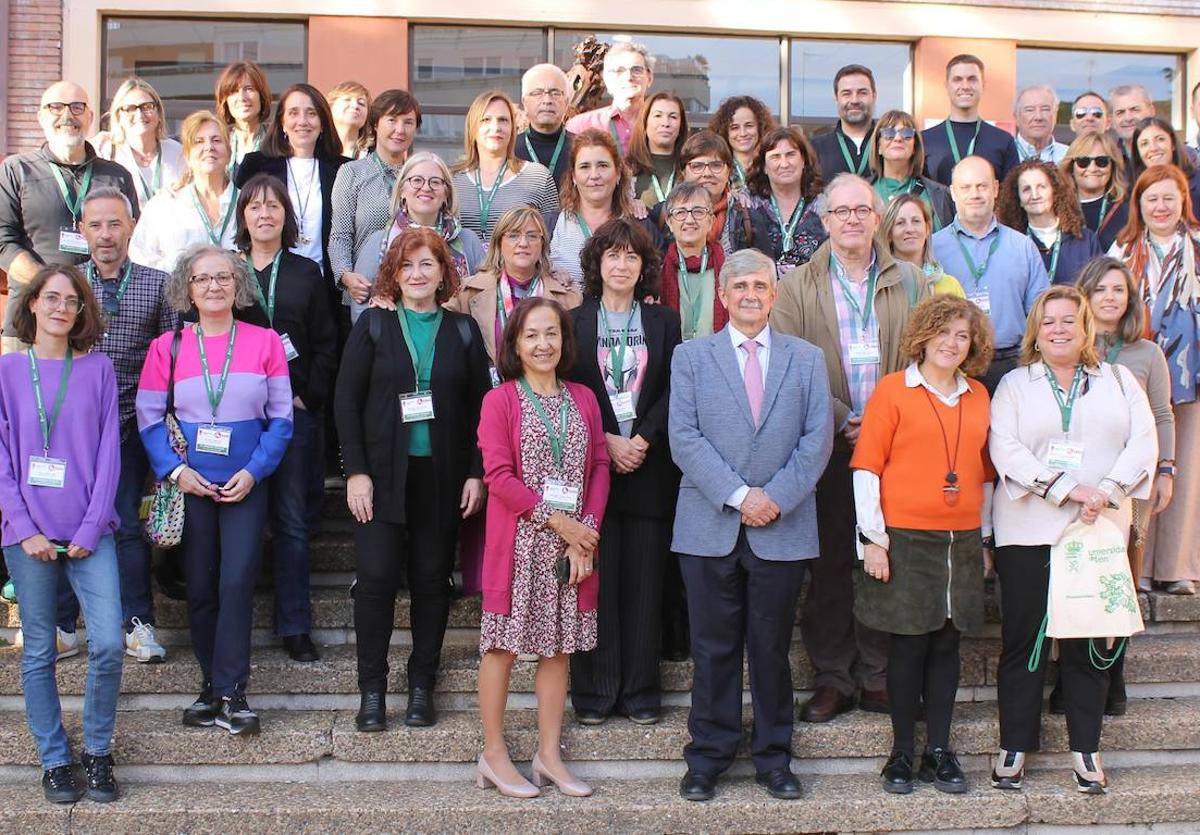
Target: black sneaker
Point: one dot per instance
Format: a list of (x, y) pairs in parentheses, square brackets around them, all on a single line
[(204, 710), (236, 716), (59, 785), (101, 782)]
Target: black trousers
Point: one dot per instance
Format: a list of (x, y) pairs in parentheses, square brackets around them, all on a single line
[(845, 654), (380, 550), (621, 674), (1024, 572), (740, 602), (923, 667)]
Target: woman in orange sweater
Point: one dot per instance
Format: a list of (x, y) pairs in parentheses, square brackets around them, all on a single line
[(922, 489)]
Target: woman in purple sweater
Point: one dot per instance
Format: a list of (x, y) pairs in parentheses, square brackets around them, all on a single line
[(59, 465)]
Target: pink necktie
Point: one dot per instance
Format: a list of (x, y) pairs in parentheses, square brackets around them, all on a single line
[(753, 379)]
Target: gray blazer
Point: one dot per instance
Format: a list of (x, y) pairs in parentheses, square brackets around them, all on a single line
[(716, 445)]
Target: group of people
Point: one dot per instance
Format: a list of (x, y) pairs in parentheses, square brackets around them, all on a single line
[(639, 384)]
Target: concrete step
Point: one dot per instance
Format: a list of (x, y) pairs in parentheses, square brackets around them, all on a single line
[(1138, 797)]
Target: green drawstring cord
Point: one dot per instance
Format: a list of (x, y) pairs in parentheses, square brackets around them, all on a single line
[(1099, 661), (1035, 657)]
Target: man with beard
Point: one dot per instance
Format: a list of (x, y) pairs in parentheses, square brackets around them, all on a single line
[(42, 193), (845, 148), (964, 133), (544, 98)]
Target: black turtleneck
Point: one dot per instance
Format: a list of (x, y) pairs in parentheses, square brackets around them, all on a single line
[(543, 146)]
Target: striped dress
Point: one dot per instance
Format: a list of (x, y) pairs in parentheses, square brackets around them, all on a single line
[(533, 186)]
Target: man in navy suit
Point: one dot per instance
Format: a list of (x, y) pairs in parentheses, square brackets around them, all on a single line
[(751, 427)]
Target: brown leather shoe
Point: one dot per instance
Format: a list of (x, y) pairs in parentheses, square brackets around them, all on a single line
[(825, 704), (873, 701)]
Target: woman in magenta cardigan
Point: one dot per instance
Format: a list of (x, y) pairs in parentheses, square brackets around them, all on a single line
[(546, 467)]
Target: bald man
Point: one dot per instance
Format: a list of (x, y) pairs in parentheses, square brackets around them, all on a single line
[(41, 194), (1000, 268)]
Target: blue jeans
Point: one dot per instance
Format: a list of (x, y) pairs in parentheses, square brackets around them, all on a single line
[(94, 579), (133, 553), (290, 487)]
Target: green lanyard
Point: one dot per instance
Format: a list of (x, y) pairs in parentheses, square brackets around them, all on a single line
[(977, 272), (73, 206), (583, 227), (557, 437), (1054, 250), (739, 174), (658, 189), (889, 188), (693, 303), (47, 421), (214, 396), (1103, 212), (954, 142), (422, 362), (149, 191), (388, 173), (1065, 406), (122, 285), (485, 204), (612, 128), (266, 303), (213, 235), (787, 230), (864, 313), (562, 143), (850, 166), (1114, 351), (618, 350)]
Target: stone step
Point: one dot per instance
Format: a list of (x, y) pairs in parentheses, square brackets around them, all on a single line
[(295, 737), (1138, 797), (1154, 662)]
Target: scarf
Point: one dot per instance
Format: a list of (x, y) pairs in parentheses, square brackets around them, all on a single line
[(447, 226), (718, 227), (669, 292)]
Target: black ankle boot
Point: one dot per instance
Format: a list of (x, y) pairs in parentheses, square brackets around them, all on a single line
[(372, 711), (420, 712)]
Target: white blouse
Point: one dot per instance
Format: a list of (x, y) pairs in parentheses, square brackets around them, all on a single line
[(170, 223)]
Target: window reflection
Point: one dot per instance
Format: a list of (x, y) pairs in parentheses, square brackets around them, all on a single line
[(451, 65), (815, 62)]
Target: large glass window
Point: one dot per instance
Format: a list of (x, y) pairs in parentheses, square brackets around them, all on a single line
[(1072, 71), (814, 63), (182, 58), (703, 71)]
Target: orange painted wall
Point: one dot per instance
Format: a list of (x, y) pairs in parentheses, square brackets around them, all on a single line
[(370, 50), (1000, 78)]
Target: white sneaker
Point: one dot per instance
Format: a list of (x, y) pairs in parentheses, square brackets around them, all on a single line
[(68, 643), (142, 643)]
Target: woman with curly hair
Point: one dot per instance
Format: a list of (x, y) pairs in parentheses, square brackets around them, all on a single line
[(1095, 165), (658, 137), (785, 185), (922, 486), (1035, 198), (624, 351), (742, 121)]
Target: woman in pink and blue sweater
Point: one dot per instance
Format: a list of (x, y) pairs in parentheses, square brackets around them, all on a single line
[(233, 402)]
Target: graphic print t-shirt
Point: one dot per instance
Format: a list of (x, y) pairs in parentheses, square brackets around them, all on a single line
[(632, 373)]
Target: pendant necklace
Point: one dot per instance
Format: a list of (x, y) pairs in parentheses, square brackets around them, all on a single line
[(950, 490)]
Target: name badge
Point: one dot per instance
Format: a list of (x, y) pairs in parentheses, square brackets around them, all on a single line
[(416, 406), (560, 494), (495, 375), (864, 353), (71, 241), (213, 439), (1065, 455), (622, 406), (983, 301), (289, 349), (47, 472)]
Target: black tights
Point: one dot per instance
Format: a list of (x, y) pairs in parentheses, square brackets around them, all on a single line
[(923, 666)]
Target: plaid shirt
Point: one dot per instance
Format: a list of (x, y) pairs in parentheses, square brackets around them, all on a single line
[(861, 378), (142, 316)]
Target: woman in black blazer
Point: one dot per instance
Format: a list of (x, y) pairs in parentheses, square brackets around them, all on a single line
[(302, 149), (624, 350), (407, 406)]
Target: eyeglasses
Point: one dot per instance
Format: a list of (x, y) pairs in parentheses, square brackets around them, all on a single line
[(697, 166), (682, 213), (1094, 112), (148, 108), (543, 92), (1102, 161), (843, 213), (53, 301), (633, 72), (77, 108), (903, 134), (528, 237), (417, 182), (220, 279)]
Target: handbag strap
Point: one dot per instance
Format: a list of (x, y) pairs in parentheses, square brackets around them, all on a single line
[(175, 340)]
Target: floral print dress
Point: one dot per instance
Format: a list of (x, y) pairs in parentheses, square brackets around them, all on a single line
[(544, 618)]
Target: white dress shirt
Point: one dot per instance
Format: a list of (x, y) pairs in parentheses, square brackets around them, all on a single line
[(764, 353), (170, 224)]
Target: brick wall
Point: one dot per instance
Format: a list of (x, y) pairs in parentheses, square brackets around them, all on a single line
[(34, 62)]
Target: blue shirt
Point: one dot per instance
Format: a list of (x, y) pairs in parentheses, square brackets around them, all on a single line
[(1014, 278)]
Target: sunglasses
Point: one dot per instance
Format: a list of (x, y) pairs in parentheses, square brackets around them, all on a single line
[(903, 134), (1102, 161), (1094, 112)]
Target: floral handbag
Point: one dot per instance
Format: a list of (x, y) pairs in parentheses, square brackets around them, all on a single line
[(163, 526)]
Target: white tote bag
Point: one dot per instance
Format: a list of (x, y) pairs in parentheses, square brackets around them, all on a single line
[(1091, 590)]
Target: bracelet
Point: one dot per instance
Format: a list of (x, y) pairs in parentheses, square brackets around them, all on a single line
[(989, 542), (1166, 469)]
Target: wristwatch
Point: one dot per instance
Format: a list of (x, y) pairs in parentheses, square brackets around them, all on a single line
[(1167, 469)]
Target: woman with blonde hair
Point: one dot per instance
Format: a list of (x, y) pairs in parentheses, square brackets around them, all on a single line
[(137, 139), (491, 177), (1096, 165), (349, 102), (907, 231)]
